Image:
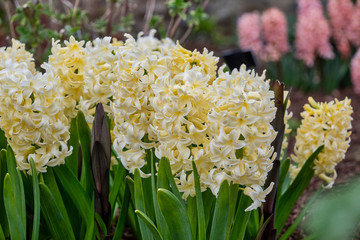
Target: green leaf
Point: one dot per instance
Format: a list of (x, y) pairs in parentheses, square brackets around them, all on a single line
[(159, 218), (336, 214), (36, 191), (17, 184), (3, 171), (16, 226), (300, 183), (80, 199), (72, 160), (140, 203), (162, 179), (199, 205), (3, 140), (191, 211), (171, 180), (284, 169), (123, 214), (262, 228), (175, 215), (209, 204), (50, 182), (118, 181), (296, 223), (85, 141), (241, 218), (59, 226), (221, 213), (101, 225), (150, 225), (2, 235), (234, 190)]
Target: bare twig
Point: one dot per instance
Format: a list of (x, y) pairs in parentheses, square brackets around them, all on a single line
[(8, 14), (171, 23), (74, 12), (186, 34), (110, 17), (150, 7), (175, 26)]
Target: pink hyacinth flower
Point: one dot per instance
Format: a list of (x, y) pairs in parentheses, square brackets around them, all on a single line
[(312, 32), (274, 27), (249, 33), (340, 13), (353, 30), (355, 71)]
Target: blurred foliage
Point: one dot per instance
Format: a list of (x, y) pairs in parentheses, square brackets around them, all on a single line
[(337, 214), (35, 23)]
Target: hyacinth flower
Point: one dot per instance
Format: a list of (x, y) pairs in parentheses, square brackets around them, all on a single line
[(275, 34), (185, 115), (353, 28), (312, 38), (249, 33), (325, 124), (340, 17), (355, 73), (265, 35), (32, 111)]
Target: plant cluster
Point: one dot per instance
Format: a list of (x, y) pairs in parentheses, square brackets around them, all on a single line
[(148, 134), (322, 43)]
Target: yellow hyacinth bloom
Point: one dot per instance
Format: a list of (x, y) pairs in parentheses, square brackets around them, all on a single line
[(325, 124), (32, 111)]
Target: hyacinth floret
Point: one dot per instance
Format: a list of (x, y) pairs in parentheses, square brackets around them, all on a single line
[(325, 124)]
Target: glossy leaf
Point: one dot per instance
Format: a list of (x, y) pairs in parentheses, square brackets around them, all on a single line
[(241, 219), (36, 193), (162, 179), (140, 203), (72, 160), (85, 142), (233, 191), (80, 199), (3, 171), (17, 184), (175, 215), (50, 182), (118, 181), (171, 180), (58, 225), (161, 224), (221, 213), (199, 205), (150, 225), (16, 226), (123, 214), (284, 170), (300, 183)]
